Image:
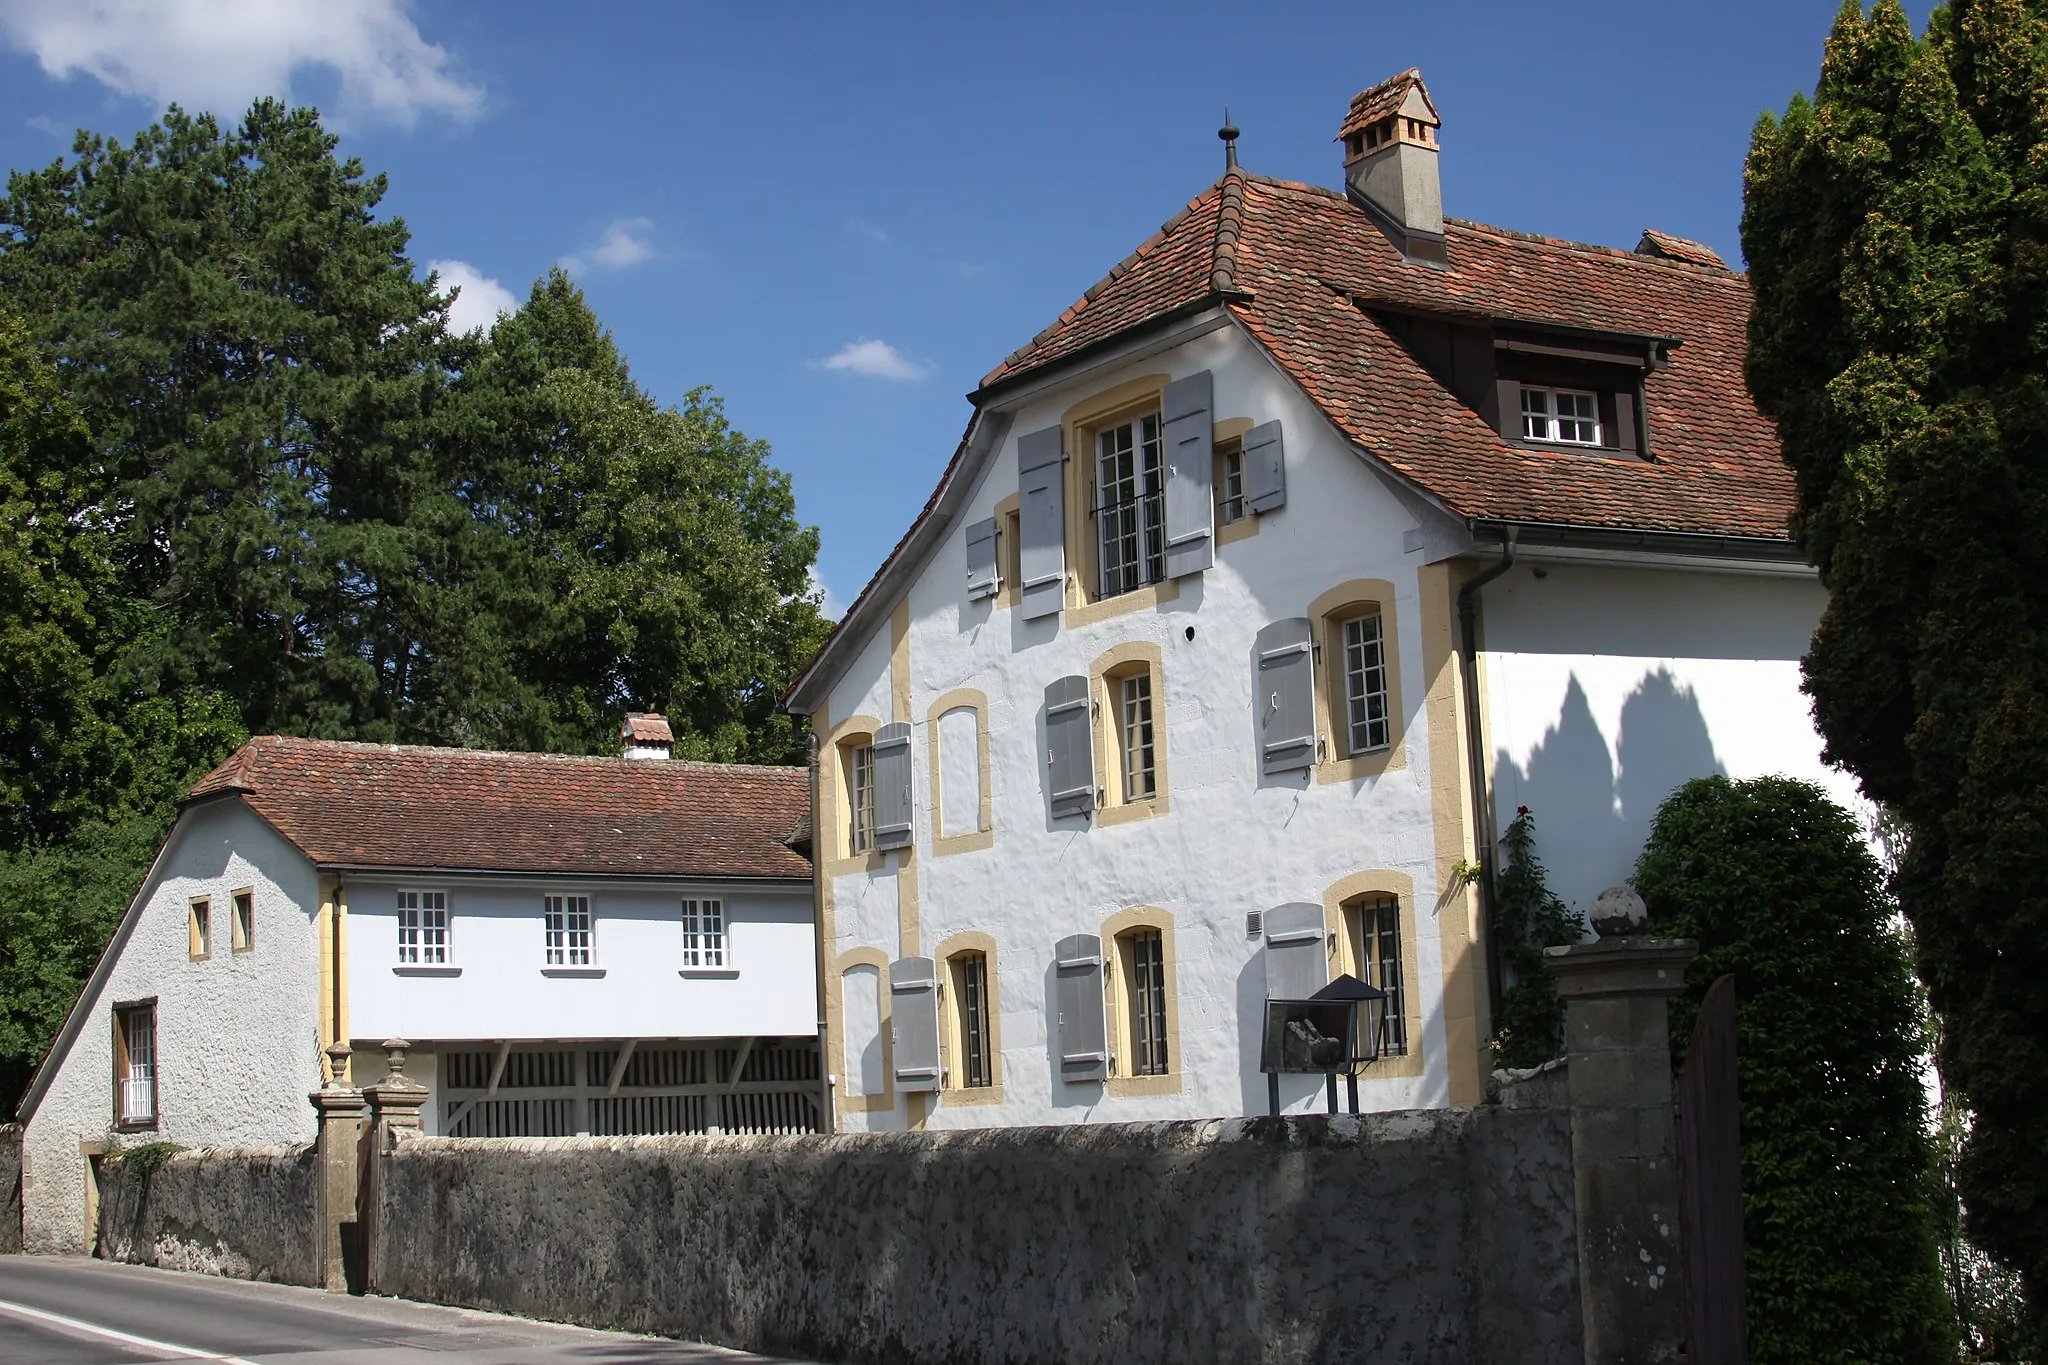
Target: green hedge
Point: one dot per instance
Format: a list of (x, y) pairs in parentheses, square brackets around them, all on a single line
[(1838, 1168)]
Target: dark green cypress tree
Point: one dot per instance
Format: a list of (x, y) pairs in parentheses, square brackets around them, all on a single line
[(1838, 1168), (1528, 917), (1897, 233)]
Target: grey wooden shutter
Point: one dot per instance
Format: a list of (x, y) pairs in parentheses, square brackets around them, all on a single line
[(1083, 1032), (1265, 469), (892, 786), (1297, 961), (1285, 694), (914, 1022), (1190, 475), (1069, 747), (1041, 522), (982, 578)]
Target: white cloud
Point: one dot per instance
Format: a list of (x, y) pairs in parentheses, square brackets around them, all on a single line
[(875, 358), (861, 227), (219, 55), (481, 298), (624, 243), (829, 605)]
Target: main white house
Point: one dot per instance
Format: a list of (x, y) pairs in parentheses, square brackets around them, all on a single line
[(1265, 584), (572, 945)]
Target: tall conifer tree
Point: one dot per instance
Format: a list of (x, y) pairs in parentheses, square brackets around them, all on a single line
[(1897, 234)]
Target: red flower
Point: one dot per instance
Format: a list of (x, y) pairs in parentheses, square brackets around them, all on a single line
[(1521, 810)]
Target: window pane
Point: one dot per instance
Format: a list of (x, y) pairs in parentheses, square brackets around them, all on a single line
[(971, 981), (1145, 953), (1136, 726), (861, 828), (1386, 974), (1365, 685)]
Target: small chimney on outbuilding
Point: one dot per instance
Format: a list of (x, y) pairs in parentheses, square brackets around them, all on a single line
[(645, 734), (1390, 164)]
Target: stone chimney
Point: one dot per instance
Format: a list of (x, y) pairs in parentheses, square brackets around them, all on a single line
[(645, 734), (1390, 170)]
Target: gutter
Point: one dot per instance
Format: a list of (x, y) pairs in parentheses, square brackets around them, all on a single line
[(1753, 549), (1475, 758)]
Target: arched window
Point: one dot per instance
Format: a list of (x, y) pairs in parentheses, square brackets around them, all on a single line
[(1143, 1003), (1358, 699)]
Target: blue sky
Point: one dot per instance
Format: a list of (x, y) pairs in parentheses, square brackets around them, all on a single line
[(839, 217)]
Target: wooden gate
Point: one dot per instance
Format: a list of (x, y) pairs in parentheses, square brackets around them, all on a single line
[(1710, 1174)]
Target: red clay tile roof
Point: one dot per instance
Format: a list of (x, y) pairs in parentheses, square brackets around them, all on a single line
[(404, 806), (1655, 243), (1370, 106), (646, 727), (1304, 264)]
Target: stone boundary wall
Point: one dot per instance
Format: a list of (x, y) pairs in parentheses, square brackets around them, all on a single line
[(10, 1188), (1441, 1235), (246, 1214)]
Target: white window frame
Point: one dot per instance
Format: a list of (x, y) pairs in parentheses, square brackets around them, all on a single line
[(1130, 504), (1230, 507), (569, 929), (425, 928), (707, 941), (1547, 419), (137, 1096), (1137, 736), (860, 793), (1368, 722), (1141, 958)]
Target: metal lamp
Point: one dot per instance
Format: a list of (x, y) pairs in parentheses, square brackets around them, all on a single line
[(1335, 1030)]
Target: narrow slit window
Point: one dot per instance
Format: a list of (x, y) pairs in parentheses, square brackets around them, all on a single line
[(1130, 512), (1561, 415), (423, 928), (1145, 980), (199, 930), (568, 931), (1229, 483), (970, 991), (1134, 722), (860, 764), (704, 934), (243, 927), (1365, 685)]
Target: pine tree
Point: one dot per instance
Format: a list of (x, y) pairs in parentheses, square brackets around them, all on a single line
[(1897, 232)]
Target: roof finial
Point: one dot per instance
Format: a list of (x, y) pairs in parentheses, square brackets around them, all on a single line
[(1228, 132)]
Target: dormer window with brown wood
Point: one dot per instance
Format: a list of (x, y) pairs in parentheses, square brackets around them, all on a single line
[(1561, 415)]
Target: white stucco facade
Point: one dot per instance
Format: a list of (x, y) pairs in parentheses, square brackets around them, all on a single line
[(237, 1034), (636, 987), (1607, 686), (1226, 839), (1603, 684)]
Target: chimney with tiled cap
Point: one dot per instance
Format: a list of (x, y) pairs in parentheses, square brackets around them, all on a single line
[(645, 734), (1390, 168)]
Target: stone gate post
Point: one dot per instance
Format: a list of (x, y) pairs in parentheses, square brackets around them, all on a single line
[(395, 1104), (339, 1106), (1625, 1144)]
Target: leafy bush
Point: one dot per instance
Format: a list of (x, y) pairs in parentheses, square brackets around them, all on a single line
[(1838, 1169), (1527, 918)]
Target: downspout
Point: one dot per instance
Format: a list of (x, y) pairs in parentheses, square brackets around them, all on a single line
[(828, 1109), (1475, 757)]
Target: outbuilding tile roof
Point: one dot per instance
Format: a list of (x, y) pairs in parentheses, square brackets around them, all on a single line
[(1302, 268), (407, 806)]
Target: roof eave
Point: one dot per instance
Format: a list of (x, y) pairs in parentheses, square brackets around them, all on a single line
[(1756, 553)]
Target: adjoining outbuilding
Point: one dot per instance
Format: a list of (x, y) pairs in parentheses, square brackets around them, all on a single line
[(572, 945)]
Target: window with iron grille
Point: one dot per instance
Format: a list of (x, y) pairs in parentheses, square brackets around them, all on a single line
[(1144, 954), (423, 928), (1376, 949), (1229, 483), (860, 785), (970, 995), (568, 931), (1561, 415), (1129, 511), (1134, 727), (135, 1066), (1365, 685), (704, 934)]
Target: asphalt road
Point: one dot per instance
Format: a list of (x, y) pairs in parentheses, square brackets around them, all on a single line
[(65, 1310)]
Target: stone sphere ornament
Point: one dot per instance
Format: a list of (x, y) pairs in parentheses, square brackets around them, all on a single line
[(1618, 911)]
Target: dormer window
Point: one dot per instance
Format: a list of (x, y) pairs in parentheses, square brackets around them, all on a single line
[(1567, 416)]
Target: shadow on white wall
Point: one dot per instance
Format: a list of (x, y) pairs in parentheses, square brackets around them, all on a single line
[(1593, 812)]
